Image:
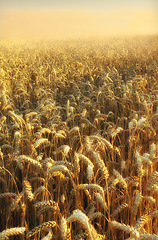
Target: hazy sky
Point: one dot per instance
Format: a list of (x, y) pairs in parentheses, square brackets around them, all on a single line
[(77, 18)]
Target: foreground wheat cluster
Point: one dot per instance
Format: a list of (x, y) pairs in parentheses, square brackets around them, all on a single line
[(78, 139)]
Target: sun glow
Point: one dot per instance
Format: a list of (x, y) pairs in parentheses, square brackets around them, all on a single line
[(75, 23)]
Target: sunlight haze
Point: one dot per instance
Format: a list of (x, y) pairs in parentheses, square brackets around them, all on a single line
[(58, 19)]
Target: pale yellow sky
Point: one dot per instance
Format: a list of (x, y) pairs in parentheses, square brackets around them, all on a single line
[(59, 23)]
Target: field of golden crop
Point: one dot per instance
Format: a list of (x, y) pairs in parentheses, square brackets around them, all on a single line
[(78, 139)]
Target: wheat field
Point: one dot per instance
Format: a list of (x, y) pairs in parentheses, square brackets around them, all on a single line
[(78, 139)]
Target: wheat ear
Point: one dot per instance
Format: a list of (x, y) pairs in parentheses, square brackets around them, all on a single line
[(149, 236), (126, 228), (82, 218), (28, 190), (39, 228), (65, 231), (48, 236), (11, 232)]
